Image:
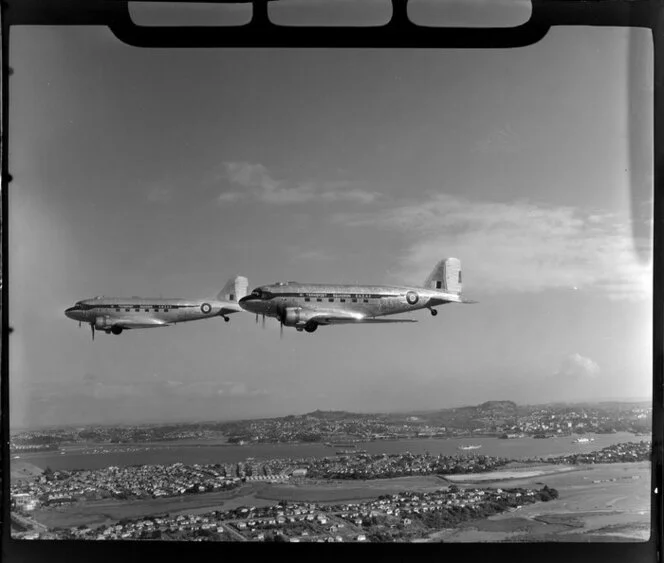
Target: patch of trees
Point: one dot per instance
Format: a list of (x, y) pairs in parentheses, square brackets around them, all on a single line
[(309, 436), (380, 536), (546, 494)]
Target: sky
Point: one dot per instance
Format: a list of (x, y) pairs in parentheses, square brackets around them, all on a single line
[(159, 172)]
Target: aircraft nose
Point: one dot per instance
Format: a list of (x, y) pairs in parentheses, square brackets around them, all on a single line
[(73, 313), (249, 303)]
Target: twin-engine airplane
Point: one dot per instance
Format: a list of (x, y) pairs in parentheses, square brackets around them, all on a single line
[(115, 314), (306, 306)]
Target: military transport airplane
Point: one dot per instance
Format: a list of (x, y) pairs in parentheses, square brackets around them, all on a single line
[(306, 306), (115, 314)]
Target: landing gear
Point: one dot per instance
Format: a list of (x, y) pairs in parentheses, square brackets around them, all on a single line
[(226, 318), (310, 327), (116, 330), (434, 312)]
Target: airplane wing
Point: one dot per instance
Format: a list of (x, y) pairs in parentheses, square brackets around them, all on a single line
[(229, 308), (146, 322), (348, 317), (371, 320)]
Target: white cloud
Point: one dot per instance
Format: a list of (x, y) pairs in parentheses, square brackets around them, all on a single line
[(229, 197), (258, 183), (250, 175), (160, 194), (517, 246), (576, 367)]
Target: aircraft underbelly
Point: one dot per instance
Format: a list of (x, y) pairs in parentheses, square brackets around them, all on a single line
[(187, 316), (142, 321), (384, 306), (390, 306)]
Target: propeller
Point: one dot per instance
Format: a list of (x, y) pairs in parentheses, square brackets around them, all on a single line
[(92, 326), (281, 313)]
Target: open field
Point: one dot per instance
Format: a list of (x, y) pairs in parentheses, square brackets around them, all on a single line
[(515, 473), (24, 470), (94, 513), (601, 503), (340, 491)]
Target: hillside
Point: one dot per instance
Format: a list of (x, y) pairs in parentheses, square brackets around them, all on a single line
[(24, 470)]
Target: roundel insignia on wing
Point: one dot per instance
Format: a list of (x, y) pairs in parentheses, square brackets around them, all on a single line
[(206, 308), (412, 297)]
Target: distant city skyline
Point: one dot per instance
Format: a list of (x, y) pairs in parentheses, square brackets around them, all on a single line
[(155, 172)]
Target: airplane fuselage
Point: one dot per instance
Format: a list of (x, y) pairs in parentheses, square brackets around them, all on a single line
[(364, 300), (132, 312)]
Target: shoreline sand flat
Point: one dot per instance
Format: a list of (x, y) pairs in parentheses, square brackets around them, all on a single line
[(512, 474)]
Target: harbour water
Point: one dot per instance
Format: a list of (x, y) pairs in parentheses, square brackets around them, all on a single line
[(99, 456)]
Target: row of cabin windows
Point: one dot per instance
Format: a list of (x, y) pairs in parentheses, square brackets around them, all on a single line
[(137, 309), (331, 300)]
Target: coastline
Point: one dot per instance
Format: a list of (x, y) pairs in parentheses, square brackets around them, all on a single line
[(512, 474), (95, 457), (601, 501)]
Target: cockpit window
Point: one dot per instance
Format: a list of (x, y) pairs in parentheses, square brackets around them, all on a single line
[(261, 294)]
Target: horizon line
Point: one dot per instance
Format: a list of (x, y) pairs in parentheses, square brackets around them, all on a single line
[(406, 411)]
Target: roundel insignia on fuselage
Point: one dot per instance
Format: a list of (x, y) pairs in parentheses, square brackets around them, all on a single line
[(206, 308), (412, 297)]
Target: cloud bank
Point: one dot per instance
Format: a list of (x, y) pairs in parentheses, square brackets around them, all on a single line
[(256, 183), (516, 246)]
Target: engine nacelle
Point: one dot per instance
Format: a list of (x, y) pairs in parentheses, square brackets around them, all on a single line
[(295, 316), (102, 323)]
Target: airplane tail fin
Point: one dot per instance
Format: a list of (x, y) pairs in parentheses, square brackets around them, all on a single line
[(446, 276), (234, 290)]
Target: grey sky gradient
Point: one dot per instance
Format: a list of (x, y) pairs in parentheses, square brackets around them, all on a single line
[(156, 172)]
